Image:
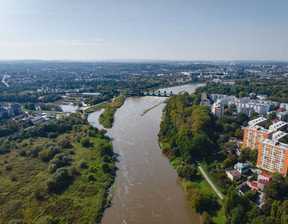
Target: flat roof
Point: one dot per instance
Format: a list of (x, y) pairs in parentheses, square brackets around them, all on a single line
[(260, 129), (275, 143)]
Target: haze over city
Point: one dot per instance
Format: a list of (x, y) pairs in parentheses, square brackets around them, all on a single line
[(139, 30)]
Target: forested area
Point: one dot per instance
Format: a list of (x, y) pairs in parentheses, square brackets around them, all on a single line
[(59, 171), (276, 90)]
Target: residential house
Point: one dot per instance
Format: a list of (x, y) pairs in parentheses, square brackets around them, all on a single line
[(243, 168), (233, 175)]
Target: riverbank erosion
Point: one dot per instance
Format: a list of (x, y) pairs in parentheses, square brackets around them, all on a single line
[(59, 171)]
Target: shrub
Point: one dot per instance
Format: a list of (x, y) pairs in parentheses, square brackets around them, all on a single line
[(106, 168), (85, 142), (52, 168), (8, 167), (4, 149), (13, 178), (45, 155), (206, 218), (52, 135), (59, 180), (106, 149), (83, 165), (73, 171), (35, 151), (37, 194), (22, 153), (64, 143), (187, 172), (91, 177), (45, 220), (60, 161)]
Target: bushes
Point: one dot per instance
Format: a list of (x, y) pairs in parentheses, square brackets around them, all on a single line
[(200, 200), (13, 178), (60, 161), (187, 172), (45, 220), (106, 149), (64, 143), (83, 165), (22, 153), (85, 142), (4, 149), (37, 194), (47, 154), (58, 181)]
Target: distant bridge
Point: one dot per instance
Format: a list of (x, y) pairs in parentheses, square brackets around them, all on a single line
[(158, 93)]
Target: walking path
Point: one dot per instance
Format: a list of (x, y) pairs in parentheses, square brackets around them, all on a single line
[(209, 181)]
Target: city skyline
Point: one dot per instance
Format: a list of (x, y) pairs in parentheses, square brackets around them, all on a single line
[(138, 30)]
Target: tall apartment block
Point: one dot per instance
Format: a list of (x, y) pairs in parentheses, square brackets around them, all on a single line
[(273, 156), (254, 135)]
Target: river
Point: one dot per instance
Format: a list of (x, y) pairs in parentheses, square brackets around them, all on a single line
[(148, 189)]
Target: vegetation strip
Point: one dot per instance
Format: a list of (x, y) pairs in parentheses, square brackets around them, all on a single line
[(107, 116), (146, 111)]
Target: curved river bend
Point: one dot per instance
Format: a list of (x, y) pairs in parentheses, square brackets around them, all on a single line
[(148, 189)]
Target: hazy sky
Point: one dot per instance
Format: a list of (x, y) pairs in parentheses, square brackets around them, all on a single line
[(144, 29)]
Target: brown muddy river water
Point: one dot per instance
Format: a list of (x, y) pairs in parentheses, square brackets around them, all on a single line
[(148, 189)]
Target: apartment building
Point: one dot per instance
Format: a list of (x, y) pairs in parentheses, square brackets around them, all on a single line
[(278, 126), (273, 156), (258, 121), (254, 135), (217, 109)]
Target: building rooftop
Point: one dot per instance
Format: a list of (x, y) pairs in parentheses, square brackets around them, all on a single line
[(260, 129), (234, 173), (278, 135), (257, 121), (241, 165), (275, 143), (277, 125), (253, 184), (266, 175), (263, 181)]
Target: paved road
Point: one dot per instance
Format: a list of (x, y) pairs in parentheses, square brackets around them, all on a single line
[(209, 181)]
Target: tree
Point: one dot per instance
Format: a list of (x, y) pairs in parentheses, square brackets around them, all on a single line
[(277, 188), (272, 116), (231, 201), (237, 215)]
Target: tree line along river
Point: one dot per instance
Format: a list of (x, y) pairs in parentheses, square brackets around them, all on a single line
[(148, 189)]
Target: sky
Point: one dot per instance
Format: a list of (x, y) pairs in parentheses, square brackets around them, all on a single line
[(97, 30)]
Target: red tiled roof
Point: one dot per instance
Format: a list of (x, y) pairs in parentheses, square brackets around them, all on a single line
[(263, 181), (254, 189), (266, 175), (253, 184), (280, 110), (275, 121)]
